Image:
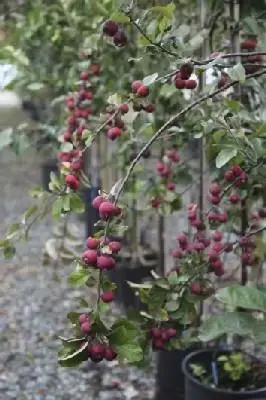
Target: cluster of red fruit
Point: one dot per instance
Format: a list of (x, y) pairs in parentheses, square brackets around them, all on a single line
[(164, 169), (250, 44), (140, 92), (114, 31), (97, 350), (182, 78), (101, 252), (161, 336), (79, 106), (114, 122)]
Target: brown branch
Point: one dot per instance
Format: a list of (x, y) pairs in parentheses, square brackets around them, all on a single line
[(172, 120)]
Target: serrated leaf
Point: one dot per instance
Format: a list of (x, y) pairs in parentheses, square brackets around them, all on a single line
[(225, 156), (120, 17), (171, 306), (229, 323), (148, 80), (76, 204), (75, 358), (237, 73), (57, 208), (173, 278), (130, 352), (73, 317), (79, 277), (242, 296)]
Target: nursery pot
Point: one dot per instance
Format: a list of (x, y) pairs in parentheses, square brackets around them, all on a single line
[(46, 169), (170, 381), (136, 273), (200, 391)]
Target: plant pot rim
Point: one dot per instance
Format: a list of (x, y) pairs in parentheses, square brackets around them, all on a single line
[(209, 388)]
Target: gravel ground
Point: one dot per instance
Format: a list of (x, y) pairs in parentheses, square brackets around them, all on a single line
[(33, 308)]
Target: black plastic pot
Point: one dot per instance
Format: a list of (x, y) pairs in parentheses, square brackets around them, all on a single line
[(126, 272), (46, 169), (170, 380), (197, 390)]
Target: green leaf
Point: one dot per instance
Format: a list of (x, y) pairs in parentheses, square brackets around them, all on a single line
[(79, 277), (73, 317), (70, 356), (130, 352), (148, 80), (243, 296), (83, 302), (237, 73), (171, 306), (173, 278), (9, 252), (13, 230), (76, 203), (176, 204), (166, 11), (57, 208), (28, 213), (6, 137), (34, 87), (225, 156), (229, 323), (120, 17)]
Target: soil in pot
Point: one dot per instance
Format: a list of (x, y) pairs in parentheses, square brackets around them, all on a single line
[(223, 375)]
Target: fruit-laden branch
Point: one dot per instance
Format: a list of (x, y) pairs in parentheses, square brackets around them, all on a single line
[(173, 120)]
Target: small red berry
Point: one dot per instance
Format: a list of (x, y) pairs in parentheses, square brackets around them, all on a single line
[(95, 68), (143, 91), (114, 133), (249, 44), (109, 353), (149, 108), (229, 176), (155, 203), (182, 238), (86, 327), (195, 288), (76, 165), (92, 243), (97, 351), (89, 257), (72, 181), (107, 297), (110, 28), (215, 189), (186, 70), (83, 318), (160, 166), (190, 84), (136, 85), (173, 155), (120, 38), (84, 75), (234, 198), (177, 253), (158, 344), (97, 202), (171, 332), (179, 83), (124, 108), (217, 236), (171, 186), (215, 200), (105, 262), (156, 333), (106, 209), (222, 218), (115, 247)]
